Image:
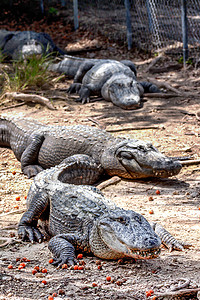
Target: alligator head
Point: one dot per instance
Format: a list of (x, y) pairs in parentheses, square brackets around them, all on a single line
[(137, 159), (123, 91), (124, 233), (32, 47)]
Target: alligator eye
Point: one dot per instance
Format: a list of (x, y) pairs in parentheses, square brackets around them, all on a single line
[(142, 148), (125, 154), (138, 219), (121, 220)]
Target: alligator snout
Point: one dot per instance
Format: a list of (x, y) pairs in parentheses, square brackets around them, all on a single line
[(130, 102), (168, 168)]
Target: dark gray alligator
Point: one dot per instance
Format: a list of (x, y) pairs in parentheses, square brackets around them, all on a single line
[(39, 147), (115, 81), (79, 217), (20, 44)]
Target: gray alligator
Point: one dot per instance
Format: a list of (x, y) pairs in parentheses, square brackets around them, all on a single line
[(20, 44), (79, 217), (39, 147), (115, 81)]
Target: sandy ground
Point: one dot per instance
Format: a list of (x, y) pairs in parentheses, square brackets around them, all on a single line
[(172, 126)]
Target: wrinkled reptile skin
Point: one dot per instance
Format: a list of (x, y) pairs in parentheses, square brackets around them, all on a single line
[(79, 217), (39, 147)]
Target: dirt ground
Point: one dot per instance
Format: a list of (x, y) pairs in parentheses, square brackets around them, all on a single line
[(172, 125)]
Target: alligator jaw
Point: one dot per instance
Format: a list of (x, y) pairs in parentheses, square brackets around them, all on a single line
[(135, 170), (144, 254)]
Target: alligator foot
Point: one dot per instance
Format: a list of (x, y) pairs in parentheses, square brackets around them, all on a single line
[(74, 88), (28, 233), (167, 239), (32, 170), (64, 252), (84, 94)]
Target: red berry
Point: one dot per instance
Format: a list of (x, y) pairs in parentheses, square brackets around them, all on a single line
[(37, 268), (17, 198), (94, 284), (44, 281), (157, 192), (80, 256), (51, 261), (149, 293), (64, 266), (108, 278), (54, 294), (151, 212), (10, 267), (99, 267), (23, 265), (80, 267), (75, 267), (34, 271), (44, 270)]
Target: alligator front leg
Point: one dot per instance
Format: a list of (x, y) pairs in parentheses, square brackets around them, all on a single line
[(149, 87), (83, 69), (62, 249), (167, 239), (30, 156), (80, 169), (74, 88), (27, 227), (83, 92)]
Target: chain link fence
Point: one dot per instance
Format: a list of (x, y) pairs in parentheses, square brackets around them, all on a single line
[(156, 25), (150, 25)]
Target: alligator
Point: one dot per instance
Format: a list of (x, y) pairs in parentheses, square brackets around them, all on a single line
[(115, 81), (39, 147), (21, 44), (79, 217)]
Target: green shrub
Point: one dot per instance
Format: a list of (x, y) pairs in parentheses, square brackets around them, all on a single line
[(32, 72)]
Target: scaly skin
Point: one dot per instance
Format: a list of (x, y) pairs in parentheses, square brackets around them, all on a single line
[(39, 147), (81, 218), (16, 44), (76, 67), (115, 81)]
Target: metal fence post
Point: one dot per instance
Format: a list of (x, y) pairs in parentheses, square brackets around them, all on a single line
[(184, 30), (128, 23), (42, 6), (75, 6), (149, 16)]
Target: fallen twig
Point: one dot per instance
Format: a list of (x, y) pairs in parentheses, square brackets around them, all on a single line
[(164, 84), (97, 123), (181, 294), (190, 162), (160, 95), (153, 62), (12, 212), (7, 241), (29, 98), (13, 106), (168, 68), (131, 128), (112, 180), (181, 286)]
